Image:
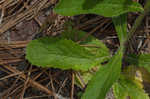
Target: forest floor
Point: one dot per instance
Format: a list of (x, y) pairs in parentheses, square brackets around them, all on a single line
[(22, 20)]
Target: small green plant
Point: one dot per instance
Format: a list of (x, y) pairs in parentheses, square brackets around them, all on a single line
[(65, 53)]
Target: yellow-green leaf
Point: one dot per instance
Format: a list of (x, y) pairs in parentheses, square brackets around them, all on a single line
[(124, 88)]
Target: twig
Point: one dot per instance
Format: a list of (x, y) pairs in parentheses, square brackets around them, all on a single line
[(92, 31), (26, 82), (64, 82), (72, 86), (81, 81), (11, 75), (32, 82)]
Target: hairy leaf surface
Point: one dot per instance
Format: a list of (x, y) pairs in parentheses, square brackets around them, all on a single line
[(61, 53)]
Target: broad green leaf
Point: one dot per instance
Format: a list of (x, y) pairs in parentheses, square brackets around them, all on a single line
[(104, 78), (125, 87), (142, 60), (60, 53), (107, 8), (120, 23)]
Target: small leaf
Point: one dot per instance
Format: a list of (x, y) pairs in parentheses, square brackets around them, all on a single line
[(107, 8), (60, 53), (104, 78), (125, 87), (142, 60)]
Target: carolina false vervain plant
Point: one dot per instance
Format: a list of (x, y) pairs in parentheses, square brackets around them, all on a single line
[(63, 52)]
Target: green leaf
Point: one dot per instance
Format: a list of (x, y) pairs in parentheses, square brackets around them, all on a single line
[(125, 87), (142, 60), (107, 8), (104, 78), (120, 23), (61, 53), (100, 48), (90, 43)]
